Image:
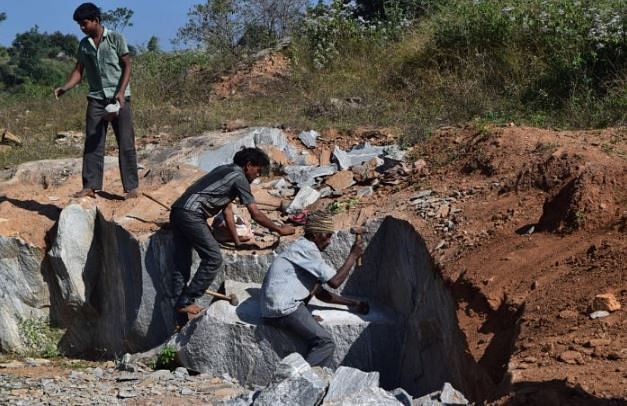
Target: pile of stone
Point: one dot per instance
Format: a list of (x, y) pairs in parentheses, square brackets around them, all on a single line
[(107, 385), (295, 382)]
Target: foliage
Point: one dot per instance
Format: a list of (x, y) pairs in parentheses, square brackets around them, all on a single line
[(231, 27), (549, 48), (339, 206), (118, 19), (382, 9), (153, 44), (165, 359), (36, 57), (332, 29), (39, 337)]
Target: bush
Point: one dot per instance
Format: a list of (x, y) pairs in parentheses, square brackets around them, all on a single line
[(39, 337), (548, 49)]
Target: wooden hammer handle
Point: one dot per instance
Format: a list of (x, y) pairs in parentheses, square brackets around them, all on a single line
[(218, 295)]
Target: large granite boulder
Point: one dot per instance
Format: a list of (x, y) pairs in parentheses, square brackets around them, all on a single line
[(23, 290), (113, 285), (294, 383), (234, 340)]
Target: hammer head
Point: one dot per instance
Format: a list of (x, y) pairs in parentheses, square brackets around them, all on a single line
[(233, 300)]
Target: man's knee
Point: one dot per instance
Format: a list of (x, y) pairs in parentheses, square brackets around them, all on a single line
[(212, 261)]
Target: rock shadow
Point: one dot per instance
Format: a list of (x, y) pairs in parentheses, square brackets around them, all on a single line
[(50, 211)]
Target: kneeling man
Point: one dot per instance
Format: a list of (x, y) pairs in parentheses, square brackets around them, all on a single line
[(296, 275)]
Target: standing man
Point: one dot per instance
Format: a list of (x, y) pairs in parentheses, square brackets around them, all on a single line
[(296, 275), (209, 195), (104, 56)]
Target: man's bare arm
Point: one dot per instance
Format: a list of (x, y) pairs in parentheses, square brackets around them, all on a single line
[(229, 219), (74, 78), (125, 62), (262, 219), (356, 251), (330, 297)]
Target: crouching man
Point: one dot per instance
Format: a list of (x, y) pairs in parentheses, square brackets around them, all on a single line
[(295, 276), (209, 195)]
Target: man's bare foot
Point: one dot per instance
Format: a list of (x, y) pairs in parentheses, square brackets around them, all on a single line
[(133, 194), (87, 192), (317, 318), (192, 309)]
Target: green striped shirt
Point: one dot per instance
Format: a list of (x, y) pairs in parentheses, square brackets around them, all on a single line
[(102, 64)]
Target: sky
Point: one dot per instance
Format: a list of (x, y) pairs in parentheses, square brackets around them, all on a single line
[(161, 18)]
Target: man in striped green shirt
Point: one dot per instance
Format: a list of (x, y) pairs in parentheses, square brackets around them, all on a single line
[(103, 56)]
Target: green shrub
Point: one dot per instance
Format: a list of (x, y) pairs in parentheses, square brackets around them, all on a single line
[(165, 359), (39, 337), (546, 50)]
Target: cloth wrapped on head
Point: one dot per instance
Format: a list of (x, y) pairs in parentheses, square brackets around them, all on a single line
[(319, 222)]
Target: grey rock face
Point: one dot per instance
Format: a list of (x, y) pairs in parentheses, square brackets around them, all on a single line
[(52, 172), (367, 397), (306, 196), (308, 138), (23, 291), (213, 149), (294, 383), (114, 287), (446, 396), (235, 341), (348, 382), (305, 175)]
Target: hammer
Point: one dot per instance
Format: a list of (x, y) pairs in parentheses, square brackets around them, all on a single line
[(357, 230), (233, 300)]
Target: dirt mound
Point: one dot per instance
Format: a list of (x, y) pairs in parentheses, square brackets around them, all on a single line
[(253, 79), (592, 199)]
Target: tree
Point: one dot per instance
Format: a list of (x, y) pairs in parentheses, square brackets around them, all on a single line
[(214, 25), (227, 26), (118, 19), (153, 44)]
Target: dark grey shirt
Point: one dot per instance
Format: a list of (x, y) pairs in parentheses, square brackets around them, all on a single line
[(212, 192)]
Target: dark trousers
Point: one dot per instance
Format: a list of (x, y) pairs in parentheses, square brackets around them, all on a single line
[(191, 230), (302, 324), (95, 136)]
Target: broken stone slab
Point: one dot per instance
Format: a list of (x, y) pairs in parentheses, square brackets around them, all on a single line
[(599, 314), (402, 396), (606, 302), (8, 138), (367, 397), (305, 197), (235, 341), (308, 138), (216, 148), (448, 395), (342, 158), (305, 175), (451, 396), (24, 293), (347, 382), (53, 172), (365, 191), (294, 383), (64, 137), (340, 180), (365, 153)]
